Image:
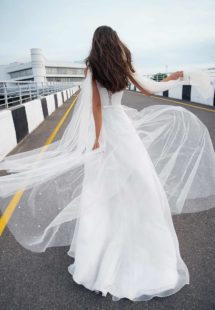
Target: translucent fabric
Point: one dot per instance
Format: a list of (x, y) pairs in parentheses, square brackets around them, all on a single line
[(113, 206), (180, 147), (199, 79)]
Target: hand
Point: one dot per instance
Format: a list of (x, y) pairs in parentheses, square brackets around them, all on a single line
[(176, 75), (96, 144)]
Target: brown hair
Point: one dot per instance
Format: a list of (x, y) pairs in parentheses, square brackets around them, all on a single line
[(109, 60)]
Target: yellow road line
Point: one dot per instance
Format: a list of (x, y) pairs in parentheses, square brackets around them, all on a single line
[(4, 219), (183, 103)]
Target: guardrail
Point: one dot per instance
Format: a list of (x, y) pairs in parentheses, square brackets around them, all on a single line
[(17, 92)]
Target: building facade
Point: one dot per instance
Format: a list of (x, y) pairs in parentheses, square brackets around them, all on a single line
[(39, 69)]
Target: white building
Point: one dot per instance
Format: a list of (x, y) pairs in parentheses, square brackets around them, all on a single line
[(40, 69)]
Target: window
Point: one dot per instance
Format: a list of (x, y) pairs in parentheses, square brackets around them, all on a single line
[(64, 79), (21, 73), (64, 70)]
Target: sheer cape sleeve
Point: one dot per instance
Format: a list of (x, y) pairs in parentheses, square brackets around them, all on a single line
[(40, 197), (197, 78)]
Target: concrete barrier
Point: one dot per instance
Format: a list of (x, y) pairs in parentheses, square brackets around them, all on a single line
[(50, 104), (34, 113), (8, 134), (17, 122)]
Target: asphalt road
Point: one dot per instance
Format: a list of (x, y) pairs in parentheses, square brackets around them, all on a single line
[(37, 281)]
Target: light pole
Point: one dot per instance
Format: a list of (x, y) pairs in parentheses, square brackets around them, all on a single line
[(166, 68)]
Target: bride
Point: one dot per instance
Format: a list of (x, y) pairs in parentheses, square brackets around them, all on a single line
[(109, 187)]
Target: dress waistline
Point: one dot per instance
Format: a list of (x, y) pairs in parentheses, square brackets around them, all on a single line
[(112, 106)]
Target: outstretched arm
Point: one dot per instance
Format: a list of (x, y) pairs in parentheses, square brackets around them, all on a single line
[(148, 86)]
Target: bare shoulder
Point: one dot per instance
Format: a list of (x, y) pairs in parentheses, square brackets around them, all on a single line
[(85, 71)]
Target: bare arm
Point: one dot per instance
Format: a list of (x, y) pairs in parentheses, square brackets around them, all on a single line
[(149, 86), (97, 114)]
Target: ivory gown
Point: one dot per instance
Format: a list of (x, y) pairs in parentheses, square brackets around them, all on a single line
[(128, 247)]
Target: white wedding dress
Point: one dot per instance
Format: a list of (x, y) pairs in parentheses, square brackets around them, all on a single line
[(127, 247), (113, 206)]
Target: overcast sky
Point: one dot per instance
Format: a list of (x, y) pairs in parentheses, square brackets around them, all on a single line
[(176, 33)]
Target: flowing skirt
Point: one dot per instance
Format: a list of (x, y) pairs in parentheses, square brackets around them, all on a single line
[(128, 245), (113, 206)]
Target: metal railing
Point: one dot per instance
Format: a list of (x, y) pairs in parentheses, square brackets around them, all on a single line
[(17, 92)]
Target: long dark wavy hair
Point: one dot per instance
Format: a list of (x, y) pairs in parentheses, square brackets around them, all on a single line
[(109, 60)]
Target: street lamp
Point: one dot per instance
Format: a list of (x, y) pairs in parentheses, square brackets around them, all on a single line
[(166, 67)]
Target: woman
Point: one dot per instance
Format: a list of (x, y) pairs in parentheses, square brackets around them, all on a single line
[(109, 187), (125, 64)]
